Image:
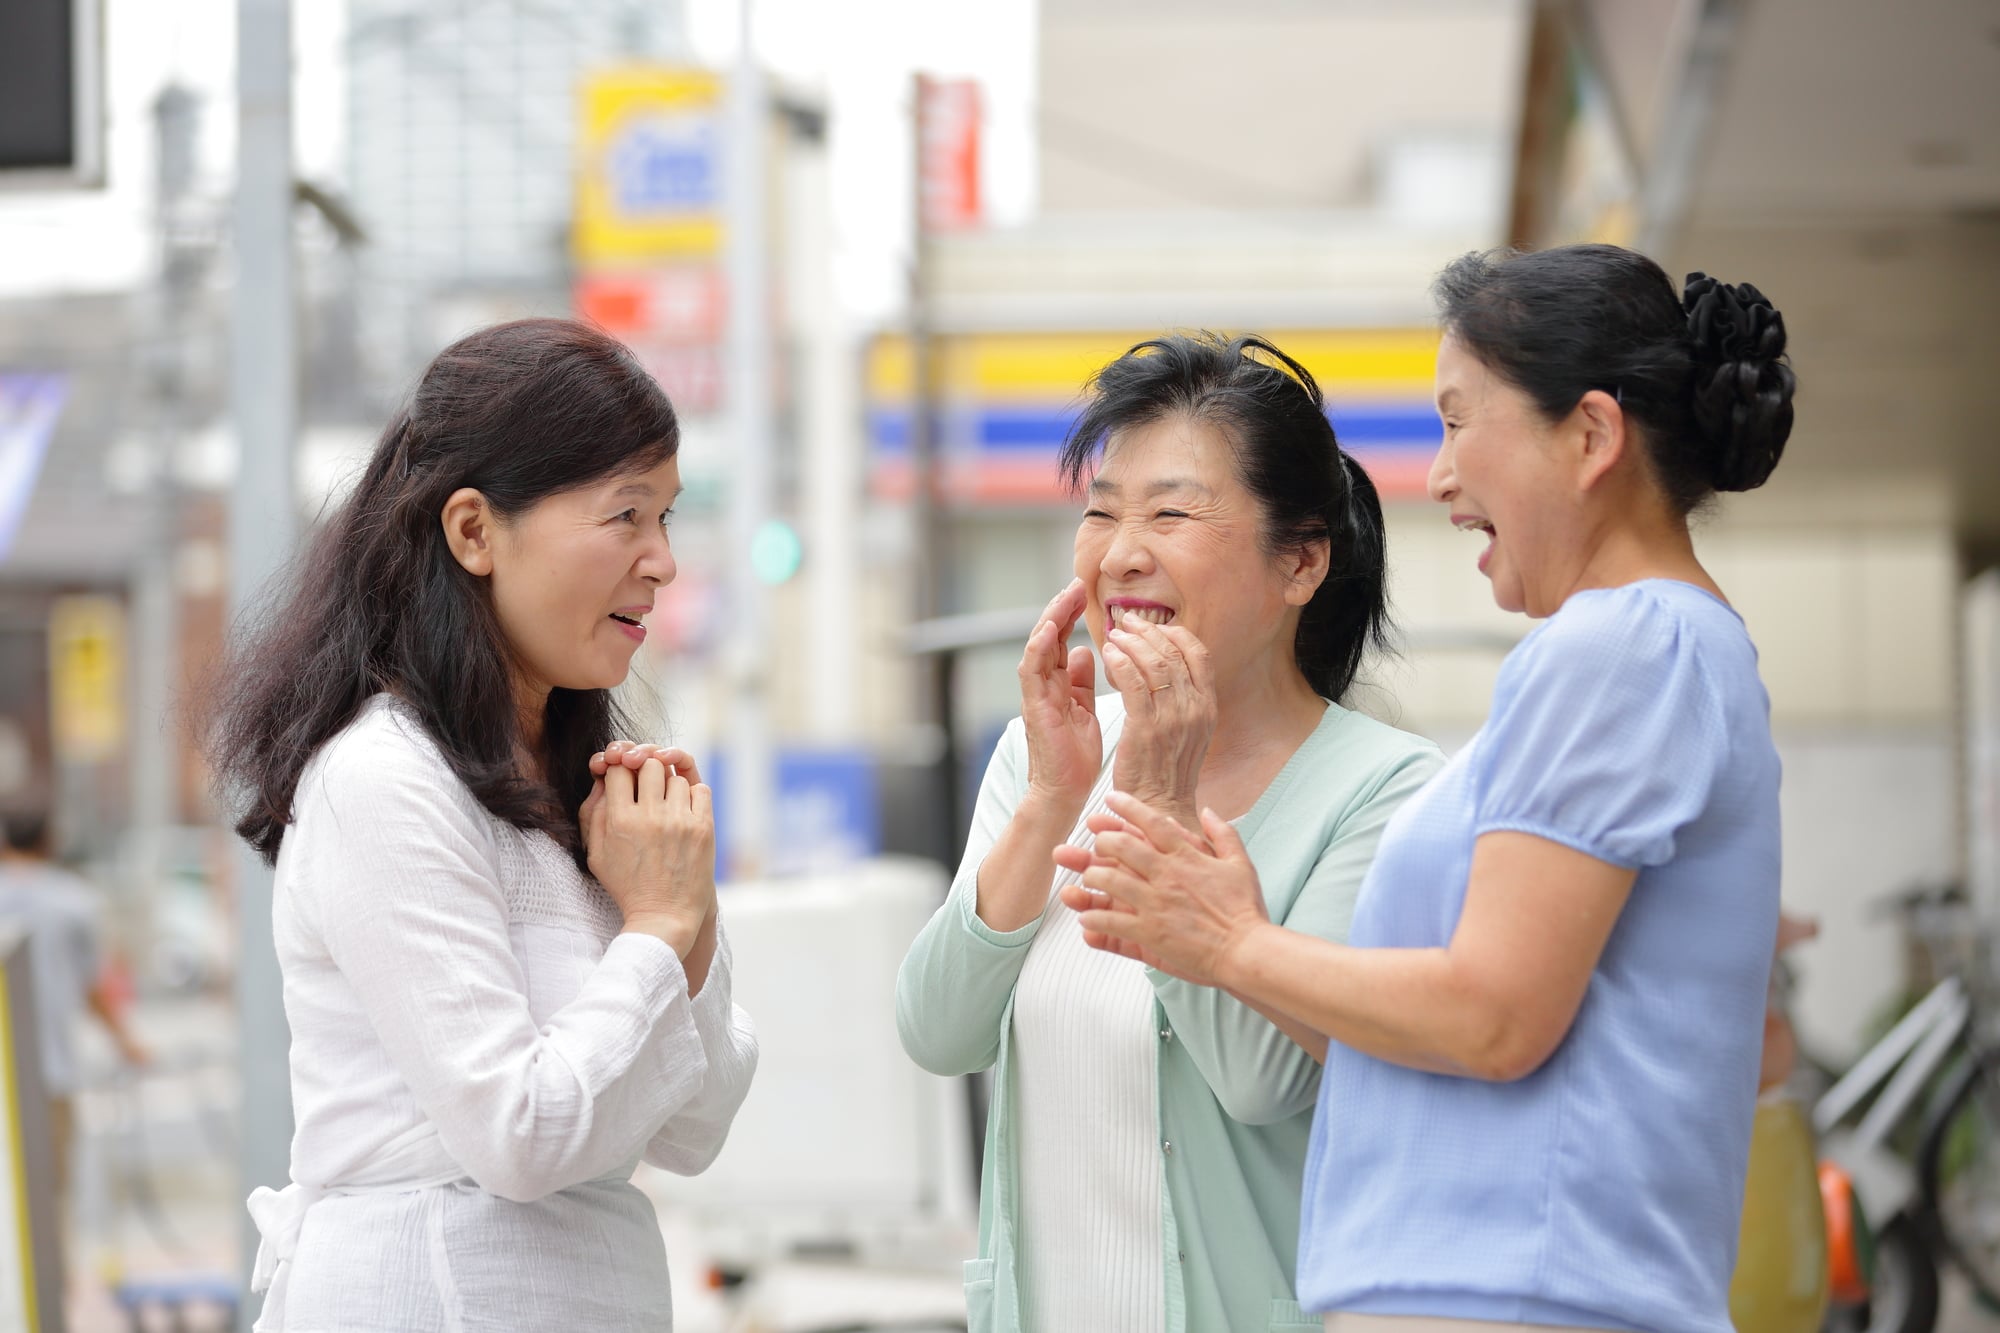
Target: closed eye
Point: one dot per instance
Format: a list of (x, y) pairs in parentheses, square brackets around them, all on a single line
[(1095, 513), (1170, 513)]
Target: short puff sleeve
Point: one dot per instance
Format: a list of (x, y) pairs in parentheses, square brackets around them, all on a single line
[(1607, 734)]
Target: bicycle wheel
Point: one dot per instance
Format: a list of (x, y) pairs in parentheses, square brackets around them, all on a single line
[(1958, 1164)]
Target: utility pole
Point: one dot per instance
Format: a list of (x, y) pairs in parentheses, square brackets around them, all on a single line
[(932, 545), (155, 582), (264, 396), (752, 776)]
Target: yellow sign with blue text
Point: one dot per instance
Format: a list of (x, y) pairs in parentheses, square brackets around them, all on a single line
[(649, 166)]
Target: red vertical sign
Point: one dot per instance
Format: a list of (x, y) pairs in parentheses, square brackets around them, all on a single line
[(948, 163)]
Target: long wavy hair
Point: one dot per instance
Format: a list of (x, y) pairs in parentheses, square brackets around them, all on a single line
[(378, 603)]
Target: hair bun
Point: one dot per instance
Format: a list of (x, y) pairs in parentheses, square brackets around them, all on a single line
[(1742, 387)]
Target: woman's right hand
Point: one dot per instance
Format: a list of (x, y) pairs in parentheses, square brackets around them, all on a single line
[(1059, 708), (649, 838)]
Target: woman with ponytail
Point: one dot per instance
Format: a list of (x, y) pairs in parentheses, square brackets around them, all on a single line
[(504, 971), (1147, 1136), (1544, 1030)]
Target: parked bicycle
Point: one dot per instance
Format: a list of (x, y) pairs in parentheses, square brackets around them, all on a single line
[(1915, 1125)]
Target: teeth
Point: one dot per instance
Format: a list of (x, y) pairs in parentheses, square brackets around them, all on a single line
[(1151, 615), (1474, 525)]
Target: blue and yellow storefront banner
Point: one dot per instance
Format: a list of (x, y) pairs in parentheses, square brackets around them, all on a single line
[(1005, 401)]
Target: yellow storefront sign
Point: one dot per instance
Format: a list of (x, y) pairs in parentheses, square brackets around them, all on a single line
[(87, 678), (649, 168)]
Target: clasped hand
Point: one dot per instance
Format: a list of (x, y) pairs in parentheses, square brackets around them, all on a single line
[(649, 838), (1185, 903)]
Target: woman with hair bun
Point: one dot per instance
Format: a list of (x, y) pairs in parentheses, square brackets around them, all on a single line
[(1147, 1137), (1544, 1030)]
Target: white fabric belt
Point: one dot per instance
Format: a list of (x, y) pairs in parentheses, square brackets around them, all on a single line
[(280, 1216)]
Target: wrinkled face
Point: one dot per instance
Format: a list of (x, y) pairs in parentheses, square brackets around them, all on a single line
[(1501, 476), (1172, 536), (574, 576)]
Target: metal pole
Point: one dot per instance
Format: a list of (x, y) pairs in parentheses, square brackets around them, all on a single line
[(752, 779), (262, 525), (156, 643), (933, 547), (830, 463)]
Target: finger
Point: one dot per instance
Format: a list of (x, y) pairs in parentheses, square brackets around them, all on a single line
[(597, 764), (681, 762), (1173, 666), (637, 755), (1134, 853), (1065, 609), (1105, 822), (1123, 675), (1160, 830), (1194, 653), (1070, 857), (1083, 676), (1116, 882), (704, 803), (1145, 658), (618, 785), (587, 813), (652, 782), (1120, 926), (1222, 836), (1037, 656), (679, 792)]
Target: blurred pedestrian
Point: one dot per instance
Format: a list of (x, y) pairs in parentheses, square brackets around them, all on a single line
[(503, 963), (58, 911), (1547, 1025), (1147, 1137)]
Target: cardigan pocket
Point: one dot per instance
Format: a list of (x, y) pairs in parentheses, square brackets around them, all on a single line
[(979, 1315), (1291, 1317)]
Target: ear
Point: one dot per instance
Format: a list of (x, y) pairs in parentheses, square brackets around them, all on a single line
[(1605, 435), (468, 530), (1305, 570)]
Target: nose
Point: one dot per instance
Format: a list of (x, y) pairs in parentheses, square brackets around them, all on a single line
[(656, 563), (1127, 555), (1442, 483)]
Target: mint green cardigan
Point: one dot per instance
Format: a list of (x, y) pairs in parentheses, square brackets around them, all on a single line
[(1236, 1096)]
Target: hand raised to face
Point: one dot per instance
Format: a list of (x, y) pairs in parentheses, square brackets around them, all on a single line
[(1059, 706), (1162, 673)]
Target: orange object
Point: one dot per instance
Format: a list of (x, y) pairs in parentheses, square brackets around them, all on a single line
[(1846, 1271)]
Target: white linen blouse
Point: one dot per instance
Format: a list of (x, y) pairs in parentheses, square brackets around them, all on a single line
[(479, 1061)]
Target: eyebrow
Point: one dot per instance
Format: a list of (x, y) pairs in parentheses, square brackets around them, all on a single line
[(640, 490), (1099, 486)]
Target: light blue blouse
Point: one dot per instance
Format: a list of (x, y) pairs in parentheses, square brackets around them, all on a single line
[(1605, 1189)]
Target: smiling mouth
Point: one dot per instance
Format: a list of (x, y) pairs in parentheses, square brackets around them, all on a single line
[(1123, 615), (635, 621)]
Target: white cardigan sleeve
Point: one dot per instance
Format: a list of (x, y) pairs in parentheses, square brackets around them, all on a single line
[(690, 1141), (402, 874)]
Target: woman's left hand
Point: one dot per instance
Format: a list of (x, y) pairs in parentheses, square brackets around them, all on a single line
[(1155, 892), (1162, 673)]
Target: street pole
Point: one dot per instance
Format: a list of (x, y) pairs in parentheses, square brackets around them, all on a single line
[(932, 545), (751, 775), (830, 461), (263, 393)]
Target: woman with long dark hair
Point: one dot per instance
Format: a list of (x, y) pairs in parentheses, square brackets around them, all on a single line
[(503, 966), (1147, 1137), (1546, 1027)]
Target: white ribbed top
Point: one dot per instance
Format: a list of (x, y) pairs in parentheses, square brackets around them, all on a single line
[(1085, 1069)]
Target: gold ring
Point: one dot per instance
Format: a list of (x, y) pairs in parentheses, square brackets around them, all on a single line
[(1157, 688)]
